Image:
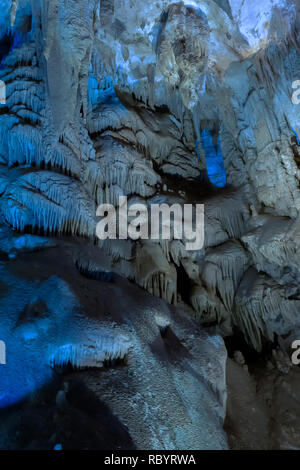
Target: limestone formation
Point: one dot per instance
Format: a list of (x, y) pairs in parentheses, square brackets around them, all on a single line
[(174, 102)]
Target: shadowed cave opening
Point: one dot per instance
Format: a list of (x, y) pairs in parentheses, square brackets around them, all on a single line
[(6, 43), (15, 37), (237, 342), (64, 411)]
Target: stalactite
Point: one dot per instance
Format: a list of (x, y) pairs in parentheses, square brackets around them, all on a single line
[(84, 356), (261, 309), (90, 116), (155, 274), (223, 269), (37, 200)]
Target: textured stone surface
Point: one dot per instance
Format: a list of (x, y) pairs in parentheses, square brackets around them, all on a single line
[(151, 366), (151, 100), (115, 101)]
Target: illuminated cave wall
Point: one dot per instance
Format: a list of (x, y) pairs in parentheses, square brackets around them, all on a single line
[(104, 101), (169, 101)]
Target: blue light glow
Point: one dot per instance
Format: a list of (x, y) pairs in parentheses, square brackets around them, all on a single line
[(31, 341), (99, 94), (214, 160)]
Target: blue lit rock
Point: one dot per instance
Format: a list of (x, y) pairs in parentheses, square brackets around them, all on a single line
[(177, 102)]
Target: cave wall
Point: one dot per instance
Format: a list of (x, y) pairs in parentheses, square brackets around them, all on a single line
[(170, 102)]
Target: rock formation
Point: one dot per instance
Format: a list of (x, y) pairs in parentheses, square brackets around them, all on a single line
[(187, 102)]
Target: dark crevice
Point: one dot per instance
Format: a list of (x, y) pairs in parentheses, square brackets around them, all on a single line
[(95, 275)]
